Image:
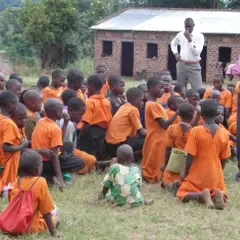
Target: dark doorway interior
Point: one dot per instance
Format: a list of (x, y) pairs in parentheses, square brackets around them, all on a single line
[(127, 59), (172, 63), (203, 63)]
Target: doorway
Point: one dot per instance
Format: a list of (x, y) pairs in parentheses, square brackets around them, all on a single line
[(127, 59)]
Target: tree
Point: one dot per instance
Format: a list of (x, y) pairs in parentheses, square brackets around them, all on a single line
[(51, 27), (234, 4)]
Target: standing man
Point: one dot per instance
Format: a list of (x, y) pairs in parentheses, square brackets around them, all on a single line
[(188, 67)]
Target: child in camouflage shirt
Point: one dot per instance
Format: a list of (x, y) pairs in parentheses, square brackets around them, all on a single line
[(123, 181)]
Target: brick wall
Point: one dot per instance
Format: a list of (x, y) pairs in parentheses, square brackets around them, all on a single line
[(141, 62)]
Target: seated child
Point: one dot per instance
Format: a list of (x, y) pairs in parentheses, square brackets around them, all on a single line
[(116, 98), (101, 71), (56, 87), (75, 80), (157, 123), (179, 89), (30, 169), (95, 120), (16, 76), (42, 83), (14, 86), (131, 194), (168, 90), (10, 140), (125, 126), (177, 135), (226, 96), (33, 102), (48, 135), (144, 89), (201, 92), (173, 104), (2, 82), (207, 148), (76, 109)]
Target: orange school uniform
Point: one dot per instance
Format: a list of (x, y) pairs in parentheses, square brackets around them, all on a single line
[(176, 138), (225, 95), (43, 202), (46, 135), (155, 145), (164, 98), (89, 160), (9, 133), (206, 170), (232, 119), (235, 96), (125, 123), (50, 92), (98, 112), (104, 90), (170, 113)]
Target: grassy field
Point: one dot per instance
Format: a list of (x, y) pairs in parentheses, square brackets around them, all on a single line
[(84, 217)]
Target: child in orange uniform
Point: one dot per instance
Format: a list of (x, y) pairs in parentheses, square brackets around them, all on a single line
[(173, 104), (14, 86), (96, 118), (101, 71), (157, 123), (57, 86), (177, 135), (207, 148), (32, 100), (116, 98), (30, 169), (11, 143), (125, 127), (75, 80), (225, 95)]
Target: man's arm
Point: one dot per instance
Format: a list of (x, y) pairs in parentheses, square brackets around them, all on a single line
[(174, 44), (197, 46)]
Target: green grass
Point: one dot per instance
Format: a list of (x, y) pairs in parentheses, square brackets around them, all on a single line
[(84, 217)]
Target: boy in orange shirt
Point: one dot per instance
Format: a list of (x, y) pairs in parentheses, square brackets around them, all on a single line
[(177, 135), (75, 80), (30, 170), (101, 71), (116, 98), (11, 143), (14, 86), (225, 95), (125, 127), (57, 86), (207, 148), (42, 83), (173, 104), (33, 102), (157, 123), (95, 120)]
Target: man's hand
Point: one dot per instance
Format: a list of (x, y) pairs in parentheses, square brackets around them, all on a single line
[(188, 36), (177, 56)]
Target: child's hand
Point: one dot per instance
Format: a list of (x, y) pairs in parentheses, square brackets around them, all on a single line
[(66, 118), (24, 144)]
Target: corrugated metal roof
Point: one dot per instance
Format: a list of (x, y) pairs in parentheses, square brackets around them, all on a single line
[(171, 20)]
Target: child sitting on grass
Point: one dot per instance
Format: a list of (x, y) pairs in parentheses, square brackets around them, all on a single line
[(123, 181), (30, 169)]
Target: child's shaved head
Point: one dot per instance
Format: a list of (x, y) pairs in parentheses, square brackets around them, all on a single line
[(8, 101), (19, 116), (209, 109), (30, 163), (15, 86), (67, 95), (53, 108), (186, 112), (125, 154), (16, 76), (32, 100)]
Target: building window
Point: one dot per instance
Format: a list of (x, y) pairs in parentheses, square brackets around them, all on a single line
[(152, 50), (225, 54), (107, 48)]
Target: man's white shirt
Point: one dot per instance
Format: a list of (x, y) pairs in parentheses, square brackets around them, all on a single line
[(190, 51)]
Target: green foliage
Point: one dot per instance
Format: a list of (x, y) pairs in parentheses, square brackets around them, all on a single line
[(234, 4), (51, 28), (12, 38)]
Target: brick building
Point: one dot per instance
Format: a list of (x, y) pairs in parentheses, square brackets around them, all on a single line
[(136, 41)]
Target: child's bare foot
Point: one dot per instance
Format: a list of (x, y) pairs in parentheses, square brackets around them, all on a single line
[(149, 202), (218, 199), (207, 199)]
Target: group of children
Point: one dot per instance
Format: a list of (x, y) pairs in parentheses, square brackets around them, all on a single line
[(179, 138)]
